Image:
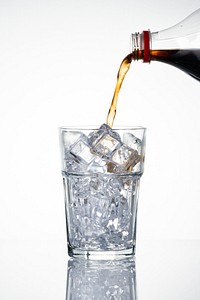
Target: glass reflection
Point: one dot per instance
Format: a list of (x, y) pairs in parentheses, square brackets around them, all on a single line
[(99, 280)]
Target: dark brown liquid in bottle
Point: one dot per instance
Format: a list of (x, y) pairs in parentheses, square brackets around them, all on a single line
[(187, 60)]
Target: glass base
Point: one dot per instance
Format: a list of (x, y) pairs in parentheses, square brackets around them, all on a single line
[(102, 255)]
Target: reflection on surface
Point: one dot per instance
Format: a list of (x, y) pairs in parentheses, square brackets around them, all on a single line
[(99, 280)]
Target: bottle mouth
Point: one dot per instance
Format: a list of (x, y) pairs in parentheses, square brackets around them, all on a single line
[(134, 43), (141, 41)]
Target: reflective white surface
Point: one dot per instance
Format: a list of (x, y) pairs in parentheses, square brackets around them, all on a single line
[(165, 270)]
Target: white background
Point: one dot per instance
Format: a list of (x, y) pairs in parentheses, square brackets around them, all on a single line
[(58, 66)]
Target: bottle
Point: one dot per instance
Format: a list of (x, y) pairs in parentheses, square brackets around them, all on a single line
[(178, 45)]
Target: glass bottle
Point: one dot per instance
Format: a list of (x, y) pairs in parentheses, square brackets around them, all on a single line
[(178, 45)]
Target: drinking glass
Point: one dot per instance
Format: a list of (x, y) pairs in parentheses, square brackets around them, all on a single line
[(101, 170)]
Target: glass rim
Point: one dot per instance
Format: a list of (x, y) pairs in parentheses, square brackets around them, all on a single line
[(96, 127), (99, 174)]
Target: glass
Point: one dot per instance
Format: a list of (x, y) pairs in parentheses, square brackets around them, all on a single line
[(101, 171), (101, 280)]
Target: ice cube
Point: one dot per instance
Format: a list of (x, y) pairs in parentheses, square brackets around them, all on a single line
[(98, 165), (81, 151), (113, 168), (123, 158), (106, 146), (71, 164), (70, 137), (95, 136), (113, 187), (132, 141), (104, 141)]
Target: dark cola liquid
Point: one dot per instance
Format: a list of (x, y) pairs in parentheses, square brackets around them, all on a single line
[(187, 60)]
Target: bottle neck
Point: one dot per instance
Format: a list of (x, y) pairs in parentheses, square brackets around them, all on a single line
[(141, 46)]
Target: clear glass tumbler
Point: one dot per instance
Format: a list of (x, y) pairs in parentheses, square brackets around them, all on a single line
[(101, 169)]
